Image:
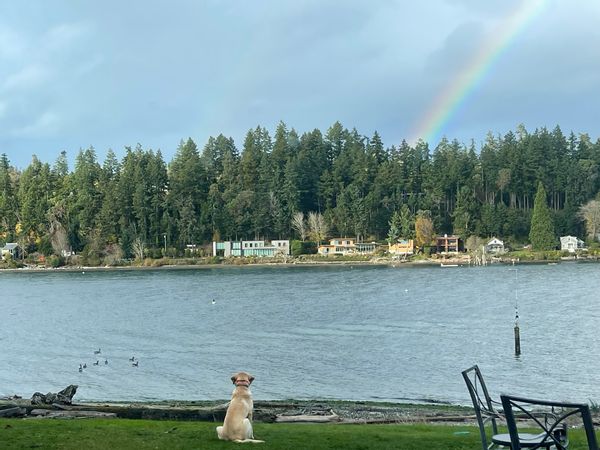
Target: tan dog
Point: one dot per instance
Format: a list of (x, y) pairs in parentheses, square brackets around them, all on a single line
[(237, 426)]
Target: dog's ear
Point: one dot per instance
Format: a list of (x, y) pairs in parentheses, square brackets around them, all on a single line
[(250, 379), (234, 377)]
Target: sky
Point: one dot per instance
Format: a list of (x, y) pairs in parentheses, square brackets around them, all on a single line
[(113, 74)]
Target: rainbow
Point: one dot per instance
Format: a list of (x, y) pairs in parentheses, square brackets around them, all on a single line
[(460, 89)]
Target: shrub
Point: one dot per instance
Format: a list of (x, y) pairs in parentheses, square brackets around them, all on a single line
[(303, 248), (55, 261)]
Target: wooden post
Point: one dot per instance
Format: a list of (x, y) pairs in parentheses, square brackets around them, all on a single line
[(517, 340)]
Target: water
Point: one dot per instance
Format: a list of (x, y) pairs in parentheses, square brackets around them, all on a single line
[(356, 333)]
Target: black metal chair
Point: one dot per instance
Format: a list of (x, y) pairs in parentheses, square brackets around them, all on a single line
[(484, 408), (553, 433), (486, 413)]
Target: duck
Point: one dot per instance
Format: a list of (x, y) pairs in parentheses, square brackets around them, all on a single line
[(97, 352), (84, 365), (105, 361), (132, 358), (135, 364), (80, 368), (96, 363), (213, 301)]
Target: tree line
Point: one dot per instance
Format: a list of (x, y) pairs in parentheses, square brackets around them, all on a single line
[(357, 186)]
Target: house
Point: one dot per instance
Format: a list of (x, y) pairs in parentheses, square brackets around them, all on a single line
[(346, 246), (251, 248), (365, 248), (337, 246), (13, 249), (495, 246), (448, 244), (571, 244), (282, 247), (403, 247)]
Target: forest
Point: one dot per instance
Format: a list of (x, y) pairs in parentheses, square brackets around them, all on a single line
[(355, 183)]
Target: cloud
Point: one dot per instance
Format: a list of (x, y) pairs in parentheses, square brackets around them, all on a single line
[(64, 35), (11, 43), (26, 78), (45, 124)]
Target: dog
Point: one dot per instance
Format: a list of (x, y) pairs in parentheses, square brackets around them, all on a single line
[(237, 426)]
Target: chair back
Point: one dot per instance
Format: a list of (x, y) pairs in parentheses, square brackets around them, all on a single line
[(483, 405), (552, 432)]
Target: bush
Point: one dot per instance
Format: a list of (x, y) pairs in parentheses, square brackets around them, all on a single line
[(303, 248), (55, 261)]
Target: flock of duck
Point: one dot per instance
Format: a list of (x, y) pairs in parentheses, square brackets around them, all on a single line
[(133, 360)]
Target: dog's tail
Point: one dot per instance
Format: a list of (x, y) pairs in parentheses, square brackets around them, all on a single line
[(245, 441)]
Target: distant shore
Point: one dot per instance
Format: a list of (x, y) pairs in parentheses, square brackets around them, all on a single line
[(200, 263)]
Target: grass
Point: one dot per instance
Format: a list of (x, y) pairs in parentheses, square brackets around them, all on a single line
[(118, 434)]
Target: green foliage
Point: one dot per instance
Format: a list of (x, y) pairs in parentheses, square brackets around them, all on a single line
[(542, 235), (298, 248), (359, 186), (55, 261), (395, 226)]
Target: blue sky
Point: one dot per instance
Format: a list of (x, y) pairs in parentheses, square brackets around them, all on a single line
[(112, 74)]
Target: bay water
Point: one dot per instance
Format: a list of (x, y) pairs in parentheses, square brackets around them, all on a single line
[(352, 332)]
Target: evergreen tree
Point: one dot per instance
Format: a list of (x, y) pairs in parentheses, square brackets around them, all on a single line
[(8, 203), (541, 234), (188, 189), (407, 223), (395, 226)]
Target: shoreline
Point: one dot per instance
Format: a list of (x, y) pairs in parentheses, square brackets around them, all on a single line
[(384, 262), (267, 411)]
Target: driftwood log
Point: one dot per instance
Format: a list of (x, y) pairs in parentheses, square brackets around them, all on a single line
[(13, 411), (64, 397), (70, 414), (306, 418)]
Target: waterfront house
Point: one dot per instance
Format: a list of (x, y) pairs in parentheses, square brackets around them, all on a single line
[(448, 244), (404, 247), (252, 248), (571, 244), (13, 249), (346, 246), (495, 246), (337, 246)]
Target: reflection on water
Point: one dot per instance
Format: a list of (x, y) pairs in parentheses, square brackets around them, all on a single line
[(304, 332)]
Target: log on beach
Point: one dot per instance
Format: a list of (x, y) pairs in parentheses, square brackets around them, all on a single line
[(49, 414), (64, 397), (306, 418), (13, 411)]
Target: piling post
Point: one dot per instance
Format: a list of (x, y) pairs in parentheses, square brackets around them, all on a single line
[(517, 340), (516, 329)]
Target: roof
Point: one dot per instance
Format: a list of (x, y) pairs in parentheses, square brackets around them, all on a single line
[(570, 238), (10, 246)]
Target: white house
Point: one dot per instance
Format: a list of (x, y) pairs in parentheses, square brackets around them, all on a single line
[(495, 246), (251, 248), (11, 248), (571, 244)]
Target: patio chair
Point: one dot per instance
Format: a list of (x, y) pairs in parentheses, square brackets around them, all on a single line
[(553, 433), (484, 408), (485, 411)]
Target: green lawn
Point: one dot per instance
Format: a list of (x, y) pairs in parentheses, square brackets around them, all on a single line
[(150, 434)]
